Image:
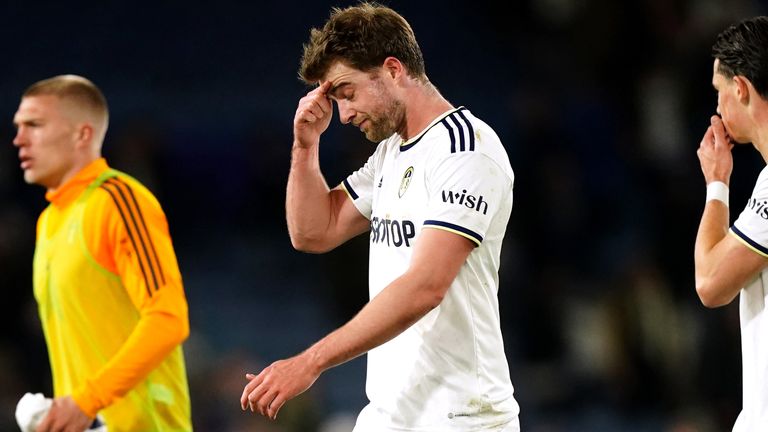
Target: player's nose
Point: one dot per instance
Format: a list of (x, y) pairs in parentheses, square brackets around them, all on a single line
[(18, 140), (346, 113)]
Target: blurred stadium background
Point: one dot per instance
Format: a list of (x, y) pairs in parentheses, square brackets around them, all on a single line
[(601, 105)]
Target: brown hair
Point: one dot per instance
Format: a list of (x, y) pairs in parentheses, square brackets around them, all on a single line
[(361, 37)]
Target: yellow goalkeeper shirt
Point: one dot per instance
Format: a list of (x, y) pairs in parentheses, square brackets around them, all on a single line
[(112, 303)]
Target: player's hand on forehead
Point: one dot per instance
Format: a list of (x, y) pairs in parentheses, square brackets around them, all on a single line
[(313, 115), (323, 88)]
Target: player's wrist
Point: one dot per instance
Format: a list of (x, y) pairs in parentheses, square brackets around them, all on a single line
[(316, 359), (717, 190), (301, 153), (305, 144), (87, 403)]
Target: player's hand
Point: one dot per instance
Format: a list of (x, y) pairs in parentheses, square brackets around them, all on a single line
[(715, 152), (313, 116), (276, 384), (64, 416)]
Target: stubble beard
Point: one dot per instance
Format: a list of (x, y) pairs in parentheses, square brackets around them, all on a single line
[(387, 122)]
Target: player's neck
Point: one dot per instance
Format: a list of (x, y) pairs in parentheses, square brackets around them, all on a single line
[(760, 124), (424, 106), (78, 165), (761, 144)]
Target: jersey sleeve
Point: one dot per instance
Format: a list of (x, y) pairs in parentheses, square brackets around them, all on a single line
[(130, 237), (751, 227), (465, 191), (360, 184)]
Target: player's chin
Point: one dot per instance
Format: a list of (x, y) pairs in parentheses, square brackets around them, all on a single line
[(729, 139), (736, 141), (30, 177)]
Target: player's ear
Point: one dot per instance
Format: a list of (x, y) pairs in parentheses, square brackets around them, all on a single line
[(84, 134), (742, 88), (393, 67)]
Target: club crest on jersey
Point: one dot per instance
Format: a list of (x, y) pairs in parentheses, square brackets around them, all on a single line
[(405, 182)]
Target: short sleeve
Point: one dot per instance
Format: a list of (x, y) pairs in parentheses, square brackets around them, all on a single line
[(466, 190), (359, 184), (751, 227)]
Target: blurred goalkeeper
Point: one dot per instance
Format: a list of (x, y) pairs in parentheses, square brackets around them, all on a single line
[(106, 280)]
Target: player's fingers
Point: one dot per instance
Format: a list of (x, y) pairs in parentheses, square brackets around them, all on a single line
[(265, 401), (246, 401), (325, 104), (304, 114), (311, 112), (244, 397), (320, 105), (320, 97), (719, 132), (45, 425), (255, 381), (324, 87), (321, 90), (55, 426), (708, 139), (275, 406), (255, 395), (313, 104)]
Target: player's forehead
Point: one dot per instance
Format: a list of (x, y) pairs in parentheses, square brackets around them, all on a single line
[(343, 76), (33, 107), (717, 77)]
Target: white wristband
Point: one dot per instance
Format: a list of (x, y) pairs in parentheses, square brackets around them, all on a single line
[(717, 190)]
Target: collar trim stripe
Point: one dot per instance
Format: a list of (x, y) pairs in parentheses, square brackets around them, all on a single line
[(413, 141)]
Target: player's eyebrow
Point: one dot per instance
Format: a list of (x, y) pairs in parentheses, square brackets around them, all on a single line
[(335, 89), (24, 120)]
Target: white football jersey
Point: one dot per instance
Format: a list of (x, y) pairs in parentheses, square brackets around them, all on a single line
[(447, 372), (752, 229)]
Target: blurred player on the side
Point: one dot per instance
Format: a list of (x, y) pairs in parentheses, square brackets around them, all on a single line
[(106, 281), (733, 262)]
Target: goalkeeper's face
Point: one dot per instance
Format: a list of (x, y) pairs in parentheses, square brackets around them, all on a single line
[(48, 138)]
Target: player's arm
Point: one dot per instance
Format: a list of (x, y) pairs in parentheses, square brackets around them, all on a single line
[(723, 264), (436, 261), (319, 219), (142, 254)]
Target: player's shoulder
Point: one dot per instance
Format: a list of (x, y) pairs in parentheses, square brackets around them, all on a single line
[(762, 178), (124, 191), (459, 131), (760, 190), (462, 136)]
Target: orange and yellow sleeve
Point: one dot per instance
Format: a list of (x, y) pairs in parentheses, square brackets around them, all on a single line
[(127, 233)]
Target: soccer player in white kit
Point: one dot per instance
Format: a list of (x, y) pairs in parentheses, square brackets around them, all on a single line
[(733, 262), (436, 196)]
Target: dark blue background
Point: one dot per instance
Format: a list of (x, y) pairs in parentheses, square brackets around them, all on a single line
[(601, 106)]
